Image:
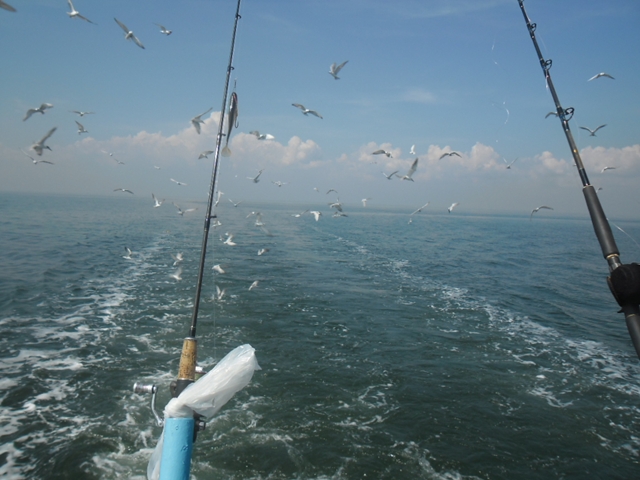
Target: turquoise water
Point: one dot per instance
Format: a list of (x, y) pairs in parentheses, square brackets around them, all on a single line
[(452, 347)]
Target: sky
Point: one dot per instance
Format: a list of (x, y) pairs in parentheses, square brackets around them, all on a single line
[(443, 75)]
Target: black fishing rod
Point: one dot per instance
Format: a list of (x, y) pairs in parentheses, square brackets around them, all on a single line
[(187, 369), (624, 279)]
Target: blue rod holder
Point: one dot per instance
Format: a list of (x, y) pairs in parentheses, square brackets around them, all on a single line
[(177, 448)]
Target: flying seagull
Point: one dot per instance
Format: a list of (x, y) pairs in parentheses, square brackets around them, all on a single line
[(413, 150), (178, 258), (40, 146), (453, 205), (81, 128), (316, 214), (205, 154), (262, 136), (390, 176), (279, 183), (601, 74), (35, 162), (129, 253), (177, 274), (256, 179), (196, 121), (82, 114), (157, 202), (420, 209), (607, 168), (592, 133), (448, 154), (176, 181), (335, 68), (382, 152), (305, 110), (163, 29), (536, 209), (128, 34), (6, 6), (509, 164), (555, 114), (411, 171), (122, 190), (41, 109), (76, 14), (364, 201)]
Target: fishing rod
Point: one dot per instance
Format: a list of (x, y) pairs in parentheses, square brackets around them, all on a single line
[(172, 458), (186, 371), (624, 279)]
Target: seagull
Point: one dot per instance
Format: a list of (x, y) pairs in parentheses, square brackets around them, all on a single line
[(196, 121), (40, 146), (448, 154), (536, 209), (74, 13), (234, 203), (509, 164), (305, 110), (163, 29), (298, 215), (35, 162), (413, 150), (129, 253), (253, 285), (220, 293), (41, 109), (205, 154), (156, 167), (128, 34), (420, 209), (279, 183), (218, 269), (177, 274), (316, 214), (262, 251), (178, 257), (229, 241), (218, 199), (156, 201), (256, 179), (390, 176), (364, 201), (176, 181), (182, 212), (382, 152), (601, 74), (453, 205), (331, 190), (262, 136), (334, 69), (6, 6), (411, 171), (337, 205), (81, 128), (122, 190), (607, 168), (82, 114), (592, 133), (551, 113)]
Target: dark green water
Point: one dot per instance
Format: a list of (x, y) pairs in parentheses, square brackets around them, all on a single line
[(453, 347)]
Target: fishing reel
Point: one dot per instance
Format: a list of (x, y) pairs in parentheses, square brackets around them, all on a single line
[(624, 283), (142, 388)]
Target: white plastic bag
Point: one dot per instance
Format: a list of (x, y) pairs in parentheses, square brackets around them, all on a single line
[(209, 394)]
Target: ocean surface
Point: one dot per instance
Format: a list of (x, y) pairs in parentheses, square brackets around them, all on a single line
[(454, 347)]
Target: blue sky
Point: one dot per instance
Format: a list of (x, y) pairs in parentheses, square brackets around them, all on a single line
[(443, 75)]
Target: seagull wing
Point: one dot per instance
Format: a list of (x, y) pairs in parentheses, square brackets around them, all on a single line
[(122, 25), (313, 112), (339, 67), (588, 130), (413, 168), (599, 128), (300, 106), (138, 42), (378, 152), (30, 112), (6, 6), (49, 133)]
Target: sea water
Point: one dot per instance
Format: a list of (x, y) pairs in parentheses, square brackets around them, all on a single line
[(451, 347)]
